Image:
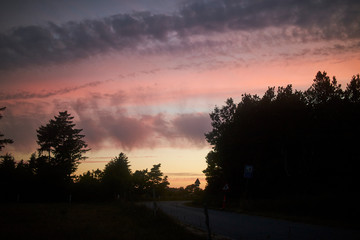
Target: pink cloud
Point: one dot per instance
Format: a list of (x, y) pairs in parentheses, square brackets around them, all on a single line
[(116, 127), (107, 127), (193, 126)]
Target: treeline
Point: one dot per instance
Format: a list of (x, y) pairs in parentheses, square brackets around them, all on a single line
[(49, 173), (296, 142), (39, 180), (117, 181)]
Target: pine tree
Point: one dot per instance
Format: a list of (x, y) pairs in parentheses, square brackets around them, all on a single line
[(116, 177), (63, 144)]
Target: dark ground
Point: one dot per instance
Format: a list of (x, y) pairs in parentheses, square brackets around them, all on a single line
[(103, 221)]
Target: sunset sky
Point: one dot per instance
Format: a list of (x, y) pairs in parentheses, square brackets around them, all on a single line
[(142, 76)]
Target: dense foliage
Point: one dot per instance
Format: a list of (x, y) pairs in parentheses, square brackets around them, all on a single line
[(4, 141), (35, 180), (49, 174), (297, 142), (63, 143), (117, 181)]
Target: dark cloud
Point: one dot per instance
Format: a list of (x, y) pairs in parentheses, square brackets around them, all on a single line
[(118, 128), (147, 131), (45, 94), (113, 127), (20, 122), (193, 126), (128, 132), (22, 130), (329, 17), (54, 43), (18, 12)]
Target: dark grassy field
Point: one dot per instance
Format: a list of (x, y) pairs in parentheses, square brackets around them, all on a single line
[(86, 221)]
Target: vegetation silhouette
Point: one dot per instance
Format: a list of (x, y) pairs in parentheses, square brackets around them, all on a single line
[(117, 181), (63, 143), (4, 141), (116, 177), (49, 173), (300, 143)]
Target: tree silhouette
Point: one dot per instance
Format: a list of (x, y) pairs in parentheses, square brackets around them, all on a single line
[(4, 141), (323, 90), (156, 179), (116, 177), (295, 140), (88, 185), (7, 176), (117, 181), (213, 172), (353, 89), (140, 180), (15, 178), (63, 143), (90, 178)]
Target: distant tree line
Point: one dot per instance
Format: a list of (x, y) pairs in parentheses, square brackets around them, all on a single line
[(117, 181), (49, 174), (298, 142)]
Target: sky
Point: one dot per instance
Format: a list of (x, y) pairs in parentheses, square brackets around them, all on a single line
[(142, 76)]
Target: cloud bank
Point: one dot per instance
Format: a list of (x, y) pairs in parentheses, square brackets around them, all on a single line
[(146, 32), (106, 127)]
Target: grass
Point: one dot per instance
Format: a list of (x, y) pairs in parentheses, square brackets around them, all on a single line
[(87, 221)]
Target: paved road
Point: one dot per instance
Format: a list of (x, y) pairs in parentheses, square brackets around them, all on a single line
[(246, 227)]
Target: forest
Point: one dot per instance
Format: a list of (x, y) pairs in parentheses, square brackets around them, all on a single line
[(298, 145)]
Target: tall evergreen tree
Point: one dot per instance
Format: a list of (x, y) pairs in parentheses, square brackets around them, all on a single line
[(157, 182), (63, 144), (116, 177)]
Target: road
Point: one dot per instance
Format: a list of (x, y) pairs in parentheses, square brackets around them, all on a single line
[(247, 227)]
